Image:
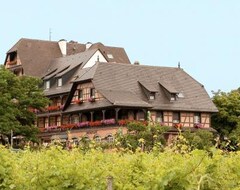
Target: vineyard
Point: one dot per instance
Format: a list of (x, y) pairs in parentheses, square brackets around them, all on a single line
[(54, 168)]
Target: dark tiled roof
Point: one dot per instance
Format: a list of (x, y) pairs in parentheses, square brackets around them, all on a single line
[(149, 86), (119, 84), (86, 106), (62, 65), (168, 86), (124, 98), (58, 90), (112, 54), (37, 56), (86, 73)]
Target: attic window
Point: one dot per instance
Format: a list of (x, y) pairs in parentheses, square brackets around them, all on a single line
[(92, 92), (152, 96), (47, 84), (13, 56), (110, 56), (59, 82), (173, 97)]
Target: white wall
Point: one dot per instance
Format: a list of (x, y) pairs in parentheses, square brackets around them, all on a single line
[(94, 58)]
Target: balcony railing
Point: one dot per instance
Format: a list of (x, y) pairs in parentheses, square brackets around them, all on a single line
[(88, 124)]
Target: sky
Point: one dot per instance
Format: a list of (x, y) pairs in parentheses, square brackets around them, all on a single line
[(204, 36)]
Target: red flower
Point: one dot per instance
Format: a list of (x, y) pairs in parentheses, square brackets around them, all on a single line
[(95, 123)]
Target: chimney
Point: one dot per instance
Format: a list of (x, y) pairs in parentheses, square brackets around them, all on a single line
[(63, 47), (136, 63), (88, 45)]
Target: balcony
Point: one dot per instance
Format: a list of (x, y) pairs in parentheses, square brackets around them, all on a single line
[(89, 124)]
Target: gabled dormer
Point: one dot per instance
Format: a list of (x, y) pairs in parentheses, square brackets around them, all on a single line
[(148, 89), (96, 57), (169, 90)]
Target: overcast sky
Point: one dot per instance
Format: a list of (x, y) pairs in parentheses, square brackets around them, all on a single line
[(203, 35)]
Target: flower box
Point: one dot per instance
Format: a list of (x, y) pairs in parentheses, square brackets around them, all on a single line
[(68, 126), (95, 123), (122, 122), (53, 108), (108, 122), (51, 128), (78, 101), (83, 124)]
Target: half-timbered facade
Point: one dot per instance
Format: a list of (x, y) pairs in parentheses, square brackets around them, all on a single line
[(95, 91)]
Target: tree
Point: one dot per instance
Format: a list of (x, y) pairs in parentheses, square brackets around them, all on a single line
[(142, 135), (227, 120), (19, 96)]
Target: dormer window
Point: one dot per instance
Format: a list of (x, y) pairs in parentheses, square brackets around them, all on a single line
[(149, 89), (110, 56), (59, 82), (152, 96), (173, 97), (92, 92), (47, 84)]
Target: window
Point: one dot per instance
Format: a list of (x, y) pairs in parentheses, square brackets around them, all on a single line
[(59, 82), (80, 94), (47, 84), (173, 97), (86, 93), (197, 118), (58, 121), (92, 92), (110, 139), (110, 56), (59, 102), (52, 121), (46, 122), (152, 96), (176, 117), (159, 117), (75, 96), (140, 116), (75, 119), (41, 122), (97, 139)]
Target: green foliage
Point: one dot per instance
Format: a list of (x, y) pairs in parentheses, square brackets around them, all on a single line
[(200, 139), (54, 168), (142, 136), (17, 96), (227, 120)]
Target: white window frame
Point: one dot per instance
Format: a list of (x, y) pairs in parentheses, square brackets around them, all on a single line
[(47, 84), (197, 118), (59, 82)]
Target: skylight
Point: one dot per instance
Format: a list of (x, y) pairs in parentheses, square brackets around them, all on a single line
[(110, 56)]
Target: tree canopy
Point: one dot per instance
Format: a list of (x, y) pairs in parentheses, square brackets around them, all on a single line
[(227, 120), (19, 96)]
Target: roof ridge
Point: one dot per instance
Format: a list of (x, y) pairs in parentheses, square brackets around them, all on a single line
[(132, 65)]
